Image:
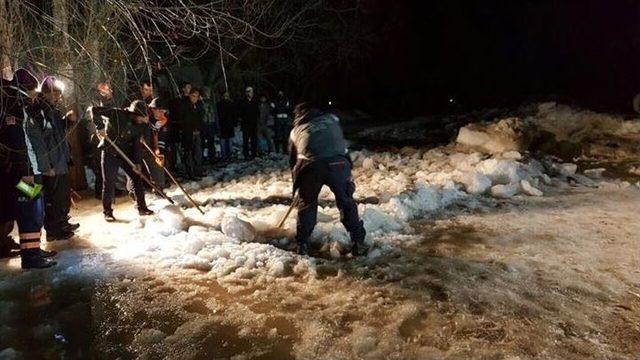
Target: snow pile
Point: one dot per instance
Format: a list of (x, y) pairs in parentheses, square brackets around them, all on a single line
[(578, 125), (511, 134)]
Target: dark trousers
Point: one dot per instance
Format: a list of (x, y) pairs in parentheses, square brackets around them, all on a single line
[(30, 215), (336, 173), (57, 201), (96, 168), (110, 165), (193, 155), (250, 143), (281, 137)]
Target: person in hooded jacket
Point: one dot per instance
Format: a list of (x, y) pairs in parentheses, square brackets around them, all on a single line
[(318, 156)]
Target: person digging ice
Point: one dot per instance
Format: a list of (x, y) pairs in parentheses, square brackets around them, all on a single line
[(318, 156)]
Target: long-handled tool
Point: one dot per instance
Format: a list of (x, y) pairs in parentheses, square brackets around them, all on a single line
[(159, 162), (286, 215), (136, 169)]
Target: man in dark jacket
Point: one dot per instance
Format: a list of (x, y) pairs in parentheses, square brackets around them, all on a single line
[(18, 164), (46, 129), (125, 128), (192, 126), (318, 156), (227, 122), (281, 111), (249, 113), (176, 109), (103, 98)]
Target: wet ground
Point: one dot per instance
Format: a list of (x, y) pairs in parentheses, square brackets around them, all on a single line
[(541, 278)]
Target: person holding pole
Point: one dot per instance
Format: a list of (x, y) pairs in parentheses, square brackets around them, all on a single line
[(121, 131)]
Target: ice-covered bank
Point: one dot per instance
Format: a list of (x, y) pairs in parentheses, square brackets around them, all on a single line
[(474, 255)]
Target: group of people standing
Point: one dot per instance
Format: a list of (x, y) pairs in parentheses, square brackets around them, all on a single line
[(146, 136), (34, 167)]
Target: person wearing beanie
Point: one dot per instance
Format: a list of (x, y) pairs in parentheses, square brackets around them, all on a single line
[(18, 164), (47, 129), (159, 122), (125, 127)]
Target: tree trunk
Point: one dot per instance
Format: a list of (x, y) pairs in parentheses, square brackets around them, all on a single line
[(6, 39), (61, 16)]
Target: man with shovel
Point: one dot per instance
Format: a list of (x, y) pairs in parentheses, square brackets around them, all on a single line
[(318, 156), (121, 128)]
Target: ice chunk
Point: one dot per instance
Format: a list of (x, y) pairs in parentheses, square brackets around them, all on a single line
[(368, 164), (238, 229), (10, 354), (475, 183), (501, 171), (595, 173), (172, 216), (504, 191), (512, 155), (567, 169), (528, 189)]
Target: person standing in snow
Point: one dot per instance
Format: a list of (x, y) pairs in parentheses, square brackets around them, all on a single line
[(318, 156), (265, 123), (18, 164), (227, 122), (47, 130), (249, 113), (192, 125), (125, 128), (281, 111)]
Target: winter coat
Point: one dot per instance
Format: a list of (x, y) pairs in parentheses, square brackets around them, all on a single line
[(264, 118), (227, 119), (120, 129), (46, 129), (249, 113), (281, 106), (192, 121), (315, 136)]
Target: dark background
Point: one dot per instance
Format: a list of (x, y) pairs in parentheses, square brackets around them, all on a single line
[(490, 53)]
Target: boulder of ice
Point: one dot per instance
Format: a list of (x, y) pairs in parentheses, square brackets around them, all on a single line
[(504, 191), (10, 354), (566, 169), (501, 172), (512, 155), (148, 337), (368, 164), (238, 229), (529, 189), (595, 173), (510, 134), (475, 183)]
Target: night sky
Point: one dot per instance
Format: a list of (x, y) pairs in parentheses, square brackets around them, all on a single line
[(494, 53)]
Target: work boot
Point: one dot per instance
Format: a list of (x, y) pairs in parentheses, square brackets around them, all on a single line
[(359, 248), (59, 235), (47, 254), (303, 248), (108, 217), (70, 227), (145, 211), (36, 262)]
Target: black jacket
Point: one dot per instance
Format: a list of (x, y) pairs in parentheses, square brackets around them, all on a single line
[(249, 112), (192, 121), (120, 129), (227, 119), (46, 129)]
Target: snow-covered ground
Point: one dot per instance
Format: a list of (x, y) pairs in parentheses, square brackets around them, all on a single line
[(473, 256)]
